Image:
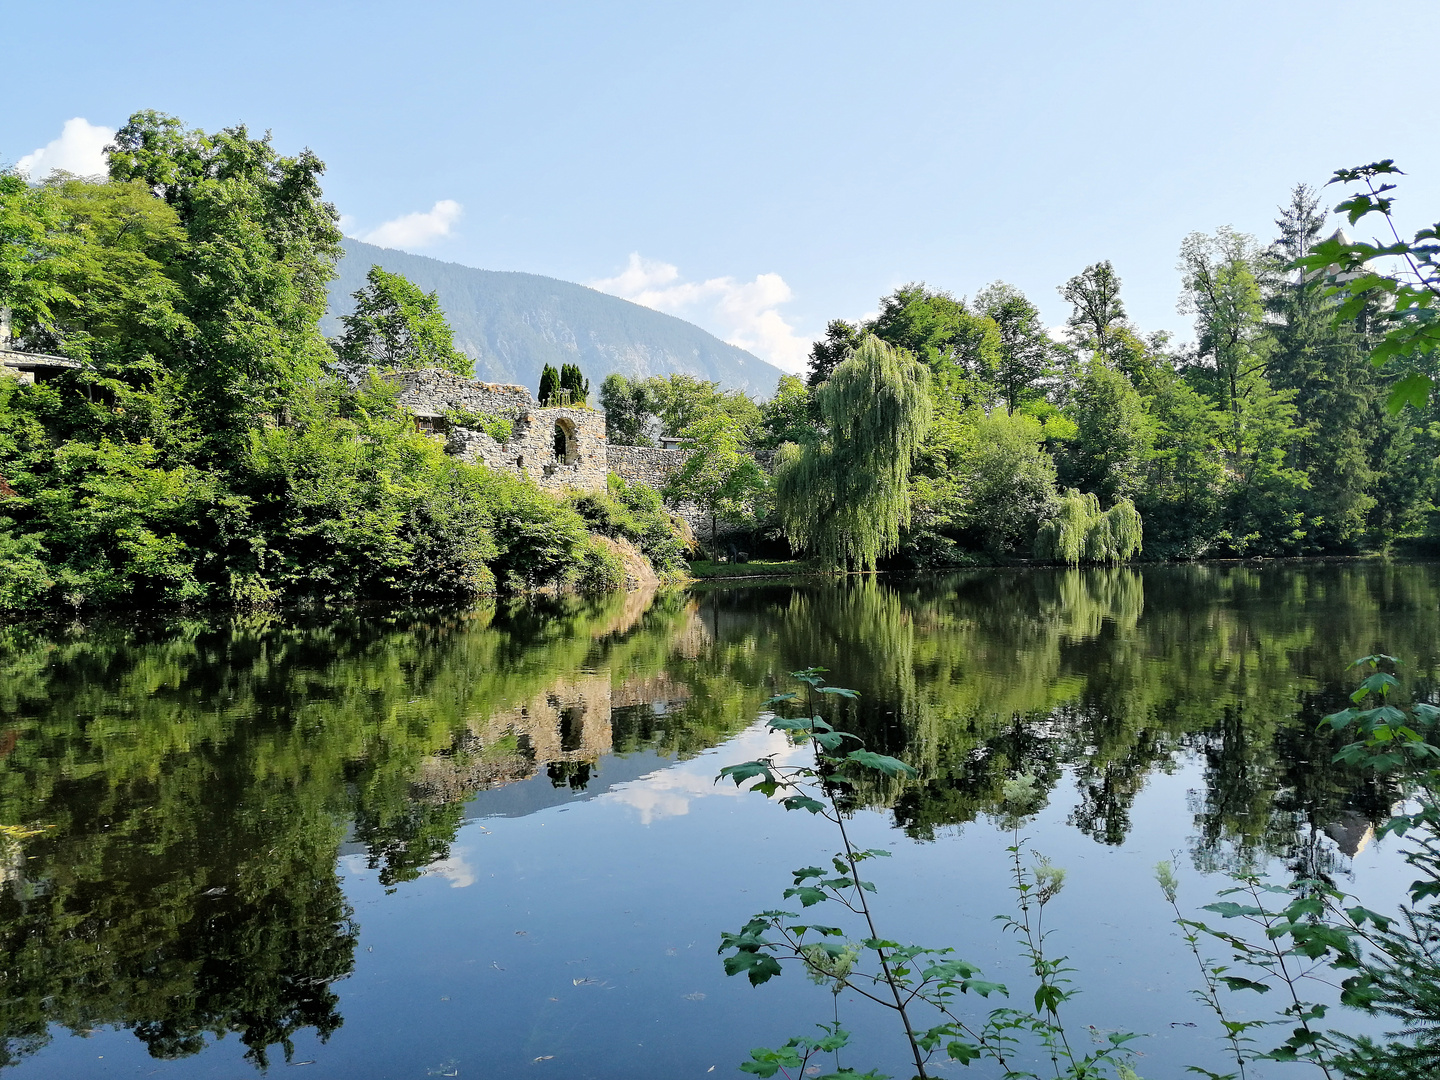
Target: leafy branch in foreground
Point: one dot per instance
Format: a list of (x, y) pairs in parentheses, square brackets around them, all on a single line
[(922, 987), (1321, 936), (1411, 319)]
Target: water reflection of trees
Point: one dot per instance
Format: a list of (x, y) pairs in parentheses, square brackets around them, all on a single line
[(188, 790), (1111, 675), (192, 785)]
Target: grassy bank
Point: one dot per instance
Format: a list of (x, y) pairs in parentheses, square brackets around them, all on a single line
[(706, 568)]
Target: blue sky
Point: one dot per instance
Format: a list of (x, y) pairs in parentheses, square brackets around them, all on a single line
[(760, 168)]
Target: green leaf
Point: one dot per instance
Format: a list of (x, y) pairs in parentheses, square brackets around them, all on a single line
[(759, 967), (983, 988), (882, 763), (802, 802), (790, 723), (963, 1052), (1230, 910), (1414, 390), (746, 770), (766, 1062), (1234, 982), (808, 894), (838, 690)]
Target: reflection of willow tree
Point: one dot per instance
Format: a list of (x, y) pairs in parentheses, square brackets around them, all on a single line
[(192, 787), (1111, 673)]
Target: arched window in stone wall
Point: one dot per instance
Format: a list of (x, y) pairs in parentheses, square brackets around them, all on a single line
[(567, 442)]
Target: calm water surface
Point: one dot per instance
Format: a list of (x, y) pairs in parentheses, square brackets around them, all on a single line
[(488, 844)]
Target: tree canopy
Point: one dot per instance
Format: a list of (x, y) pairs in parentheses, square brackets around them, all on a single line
[(847, 496), (395, 325)]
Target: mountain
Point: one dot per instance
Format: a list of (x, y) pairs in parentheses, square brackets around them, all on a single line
[(514, 324)]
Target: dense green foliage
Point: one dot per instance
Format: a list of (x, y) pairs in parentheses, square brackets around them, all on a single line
[(628, 408), (636, 513), (562, 386), (717, 475), (1080, 530), (668, 405), (394, 324), (847, 497), (1268, 436), (212, 447), (549, 386), (573, 385)]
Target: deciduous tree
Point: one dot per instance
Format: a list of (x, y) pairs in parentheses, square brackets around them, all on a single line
[(718, 475), (1027, 353), (396, 325), (846, 496), (629, 410)]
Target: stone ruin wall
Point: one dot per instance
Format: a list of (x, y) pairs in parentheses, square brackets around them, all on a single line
[(428, 393), (653, 466), (648, 465), (530, 450)]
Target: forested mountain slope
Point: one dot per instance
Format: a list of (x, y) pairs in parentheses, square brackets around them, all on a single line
[(513, 324)]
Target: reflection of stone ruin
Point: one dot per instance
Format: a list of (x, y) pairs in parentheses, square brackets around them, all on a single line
[(564, 729)]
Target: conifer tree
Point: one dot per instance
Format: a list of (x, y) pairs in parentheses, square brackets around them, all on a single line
[(575, 388), (549, 386)]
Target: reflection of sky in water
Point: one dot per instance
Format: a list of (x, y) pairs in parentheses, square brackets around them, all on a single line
[(668, 793), (580, 939), (589, 938), (571, 925)]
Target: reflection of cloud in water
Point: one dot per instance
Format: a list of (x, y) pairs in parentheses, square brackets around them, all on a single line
[(455, 869), (669, 792)]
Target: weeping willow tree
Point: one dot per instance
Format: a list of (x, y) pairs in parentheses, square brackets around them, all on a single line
[(846, 496), (1081, 531)]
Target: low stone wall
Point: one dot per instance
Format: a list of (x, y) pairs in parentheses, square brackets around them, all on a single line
[(648, 465), (653, 466), (429, 392)]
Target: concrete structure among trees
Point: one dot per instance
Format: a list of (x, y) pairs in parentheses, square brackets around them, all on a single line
[(28, 367)]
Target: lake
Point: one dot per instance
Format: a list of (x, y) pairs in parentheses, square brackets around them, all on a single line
[(490, 844)]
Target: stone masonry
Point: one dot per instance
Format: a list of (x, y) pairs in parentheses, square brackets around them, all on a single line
[(560, 448), (648, 465), (557, 448)]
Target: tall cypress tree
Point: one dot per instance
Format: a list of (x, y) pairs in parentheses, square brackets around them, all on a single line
[(549, 386), (575, 385)]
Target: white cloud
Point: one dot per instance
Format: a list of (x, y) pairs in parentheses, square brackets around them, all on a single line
[(417, 229), (455, 869), (80, 149), (742, 312), (669, 792)]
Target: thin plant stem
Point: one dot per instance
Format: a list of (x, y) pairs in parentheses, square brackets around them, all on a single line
[(1289, 980), (915, 1052), (1212, 993)]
